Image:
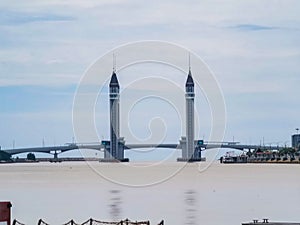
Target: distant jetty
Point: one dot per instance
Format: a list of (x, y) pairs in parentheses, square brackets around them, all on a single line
[(266, 221)]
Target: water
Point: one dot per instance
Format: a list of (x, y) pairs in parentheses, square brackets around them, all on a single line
[(222, 194)]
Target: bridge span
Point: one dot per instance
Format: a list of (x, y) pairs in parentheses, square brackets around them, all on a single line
[(56, 150)]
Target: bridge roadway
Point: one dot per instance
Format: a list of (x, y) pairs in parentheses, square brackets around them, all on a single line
[(99, 147), (206, 146)]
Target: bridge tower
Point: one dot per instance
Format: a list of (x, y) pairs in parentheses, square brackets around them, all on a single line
[(189, 104), (114, 105), (190, 148), (115, 149)]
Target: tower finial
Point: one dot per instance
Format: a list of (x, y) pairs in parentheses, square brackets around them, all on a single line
[(114, 62), (189, 61)]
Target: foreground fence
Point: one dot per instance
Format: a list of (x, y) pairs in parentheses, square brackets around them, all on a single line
[(95, 222)]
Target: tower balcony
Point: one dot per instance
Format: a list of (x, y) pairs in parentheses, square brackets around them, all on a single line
[(114, 96), (190, 95)]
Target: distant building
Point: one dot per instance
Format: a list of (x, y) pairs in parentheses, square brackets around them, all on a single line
[(296, 140)]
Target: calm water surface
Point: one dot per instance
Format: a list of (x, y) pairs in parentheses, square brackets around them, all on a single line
[(175, 192)]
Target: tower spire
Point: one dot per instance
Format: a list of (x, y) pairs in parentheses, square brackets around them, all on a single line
[(114, 62), (189, 62), (189, 81)]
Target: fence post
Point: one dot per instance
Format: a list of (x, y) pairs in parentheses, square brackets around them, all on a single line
[(91, 221), (72, 222), (14, 222), (162, 222), (5, 215), (40, 222)]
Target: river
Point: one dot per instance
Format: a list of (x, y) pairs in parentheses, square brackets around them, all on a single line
[(179, 193)]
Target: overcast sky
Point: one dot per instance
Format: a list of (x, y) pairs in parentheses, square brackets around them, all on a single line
[(252, 47)]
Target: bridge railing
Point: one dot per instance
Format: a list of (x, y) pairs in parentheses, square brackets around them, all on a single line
[(95, 222)]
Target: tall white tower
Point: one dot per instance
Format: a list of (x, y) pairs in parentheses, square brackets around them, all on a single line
[(189, 99), (114, 100)]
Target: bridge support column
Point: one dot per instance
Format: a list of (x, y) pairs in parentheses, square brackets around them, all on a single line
[(197, 153), (195, 156), (55, 155), (114, 156)]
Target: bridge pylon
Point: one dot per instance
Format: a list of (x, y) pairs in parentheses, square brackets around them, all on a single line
[(194, 156), (119, 156), (190, 149), (114, 148)]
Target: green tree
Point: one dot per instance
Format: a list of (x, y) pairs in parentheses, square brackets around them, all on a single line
[(4, 156), (31, 156), (287, 151)]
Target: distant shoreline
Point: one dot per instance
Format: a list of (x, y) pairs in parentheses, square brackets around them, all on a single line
[(66, 159)]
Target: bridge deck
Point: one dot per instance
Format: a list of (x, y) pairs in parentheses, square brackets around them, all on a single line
[(64, 148)]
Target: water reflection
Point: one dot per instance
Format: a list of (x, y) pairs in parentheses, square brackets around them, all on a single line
[(115, 205), (190, 202)]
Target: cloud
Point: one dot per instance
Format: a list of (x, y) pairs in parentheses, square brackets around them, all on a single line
[(252, 27), (82, 4), (18, 18), (49, 80)]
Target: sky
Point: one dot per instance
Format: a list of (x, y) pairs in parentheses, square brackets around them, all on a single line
[(251, 47)]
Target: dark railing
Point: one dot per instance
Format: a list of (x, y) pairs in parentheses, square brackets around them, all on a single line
[(95, 222)]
